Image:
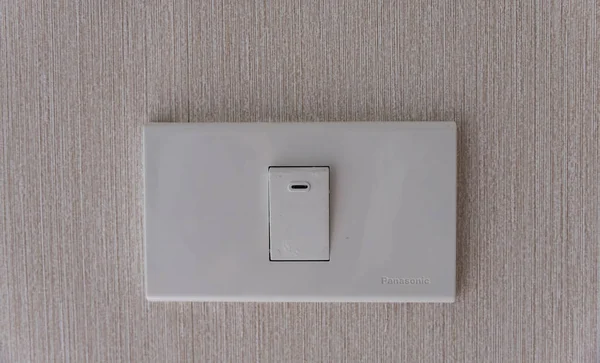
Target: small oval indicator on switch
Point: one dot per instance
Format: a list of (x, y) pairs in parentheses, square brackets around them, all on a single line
[(299, 187)]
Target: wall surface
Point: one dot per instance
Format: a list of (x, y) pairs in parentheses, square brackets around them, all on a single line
[(78, 79)]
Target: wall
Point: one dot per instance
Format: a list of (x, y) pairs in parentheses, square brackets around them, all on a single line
[(79, 78)]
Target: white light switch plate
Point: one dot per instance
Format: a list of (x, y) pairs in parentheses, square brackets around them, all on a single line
[(391, 207)]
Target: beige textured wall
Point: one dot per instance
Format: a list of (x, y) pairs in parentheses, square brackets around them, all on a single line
[(79, 78)]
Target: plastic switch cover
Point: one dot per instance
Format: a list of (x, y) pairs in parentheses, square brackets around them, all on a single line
[(391, 226)]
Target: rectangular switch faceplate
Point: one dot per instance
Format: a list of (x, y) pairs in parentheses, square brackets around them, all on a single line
[(299, 213), (342, 211)]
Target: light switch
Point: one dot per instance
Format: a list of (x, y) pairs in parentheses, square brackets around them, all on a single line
[(299, 213)]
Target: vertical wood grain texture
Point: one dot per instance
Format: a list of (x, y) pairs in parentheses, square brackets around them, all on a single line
[(78, 79)]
